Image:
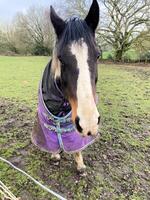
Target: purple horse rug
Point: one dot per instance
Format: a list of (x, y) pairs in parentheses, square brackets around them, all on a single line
[(54, 134)]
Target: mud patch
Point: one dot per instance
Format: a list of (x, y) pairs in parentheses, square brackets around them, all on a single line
[(16, 124), (14, 115)]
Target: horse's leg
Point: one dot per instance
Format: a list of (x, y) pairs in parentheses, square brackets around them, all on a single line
[(56, 156), (79, 160)]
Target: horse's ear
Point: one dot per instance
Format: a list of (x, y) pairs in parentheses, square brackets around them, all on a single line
[(58, 23), (92, 18)]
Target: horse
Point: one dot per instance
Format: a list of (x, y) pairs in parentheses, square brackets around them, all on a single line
[(67, 117)]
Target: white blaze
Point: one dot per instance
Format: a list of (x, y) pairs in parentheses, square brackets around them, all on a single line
[(86, 109)]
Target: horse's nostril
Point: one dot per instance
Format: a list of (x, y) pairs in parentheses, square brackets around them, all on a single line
[(89, 133), (79, 128), (99, 118)]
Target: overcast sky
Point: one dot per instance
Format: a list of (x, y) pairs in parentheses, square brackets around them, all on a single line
[(8, 8)]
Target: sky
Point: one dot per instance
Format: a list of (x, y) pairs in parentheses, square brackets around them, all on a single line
[(9, 8)]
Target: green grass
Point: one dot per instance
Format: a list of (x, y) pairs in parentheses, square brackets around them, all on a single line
[(19, 77), (118, 164)]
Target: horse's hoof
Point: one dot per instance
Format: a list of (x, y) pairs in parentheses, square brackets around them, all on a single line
[(82, 171), (55, 157)]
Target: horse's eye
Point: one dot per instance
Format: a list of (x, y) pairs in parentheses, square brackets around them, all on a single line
[(96, 78), (60, 59), (98, 55)]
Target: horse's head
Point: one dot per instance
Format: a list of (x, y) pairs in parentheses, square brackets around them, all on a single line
[(75, 64)]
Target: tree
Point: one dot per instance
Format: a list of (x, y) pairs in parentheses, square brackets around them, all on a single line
[(77, 7), (7, 43), (124, 20), (33, 31), (120, 21), (1, 41), (142, 45)]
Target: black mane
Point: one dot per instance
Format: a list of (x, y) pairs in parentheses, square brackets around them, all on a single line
[(76, 29)]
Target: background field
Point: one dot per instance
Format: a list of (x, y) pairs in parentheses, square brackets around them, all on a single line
[(118, 164)]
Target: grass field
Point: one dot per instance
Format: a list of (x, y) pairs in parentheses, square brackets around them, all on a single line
[(118, 164)]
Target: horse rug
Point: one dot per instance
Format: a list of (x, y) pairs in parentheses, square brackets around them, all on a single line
[(54, 134)]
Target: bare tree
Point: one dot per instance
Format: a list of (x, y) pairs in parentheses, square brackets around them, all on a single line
[(124, 20), (11, 39), (77, 7), (34, 31), (121, 21), (7, 40)]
